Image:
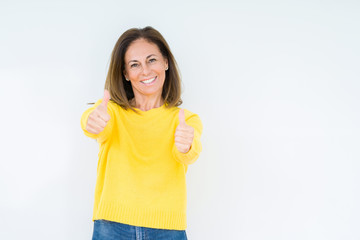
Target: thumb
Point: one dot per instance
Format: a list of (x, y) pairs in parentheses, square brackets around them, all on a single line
[(106, 98), (182, 117), (103, 105)]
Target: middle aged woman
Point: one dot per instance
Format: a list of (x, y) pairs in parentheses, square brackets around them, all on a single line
[(146, 142)]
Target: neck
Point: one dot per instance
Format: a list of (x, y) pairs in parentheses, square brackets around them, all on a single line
[(145, 103)]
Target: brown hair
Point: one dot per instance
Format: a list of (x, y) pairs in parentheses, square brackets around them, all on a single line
[(121, 90)]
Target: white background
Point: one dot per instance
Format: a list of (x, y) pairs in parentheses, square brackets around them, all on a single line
[(276, 84)]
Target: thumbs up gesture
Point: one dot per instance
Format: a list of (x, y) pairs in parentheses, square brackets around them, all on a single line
[(184, 134), (99, 117)]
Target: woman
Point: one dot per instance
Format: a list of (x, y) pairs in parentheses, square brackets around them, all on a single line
[(146, 142)]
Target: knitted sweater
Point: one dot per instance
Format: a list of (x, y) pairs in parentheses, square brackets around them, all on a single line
[(140, 173)]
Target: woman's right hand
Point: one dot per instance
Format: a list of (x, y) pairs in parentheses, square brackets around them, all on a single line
[(99, 117)]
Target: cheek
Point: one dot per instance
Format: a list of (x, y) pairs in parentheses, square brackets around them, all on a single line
[(132, 76), (161, 72)]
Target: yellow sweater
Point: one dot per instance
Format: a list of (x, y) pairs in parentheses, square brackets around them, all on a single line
[(140, 173)]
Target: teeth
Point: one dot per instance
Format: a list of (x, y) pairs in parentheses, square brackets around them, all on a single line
[(149, 81)]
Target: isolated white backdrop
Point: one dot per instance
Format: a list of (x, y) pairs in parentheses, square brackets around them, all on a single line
[(276, 84)]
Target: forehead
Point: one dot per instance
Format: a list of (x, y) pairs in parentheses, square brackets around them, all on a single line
[(140, 49)]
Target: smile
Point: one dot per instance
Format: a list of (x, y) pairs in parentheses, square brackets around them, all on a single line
[(149, 81)]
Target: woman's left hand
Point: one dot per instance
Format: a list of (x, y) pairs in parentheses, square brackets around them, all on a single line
[(184, 134)]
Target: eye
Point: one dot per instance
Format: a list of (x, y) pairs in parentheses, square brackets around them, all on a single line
[(134, 65), (152, 60)]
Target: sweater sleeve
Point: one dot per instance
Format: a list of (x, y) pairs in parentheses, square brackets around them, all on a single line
[(193, 154), (102, 136)]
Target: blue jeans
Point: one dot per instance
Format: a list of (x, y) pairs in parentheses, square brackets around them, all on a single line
[(108, 230)]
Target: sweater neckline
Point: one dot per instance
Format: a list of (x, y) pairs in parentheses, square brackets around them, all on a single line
[(150, 110)]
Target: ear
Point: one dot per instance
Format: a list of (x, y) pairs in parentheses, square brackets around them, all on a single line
[(124, 72), (166, 63)]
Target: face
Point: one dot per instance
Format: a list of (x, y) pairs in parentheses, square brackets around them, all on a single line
[(145, 67)]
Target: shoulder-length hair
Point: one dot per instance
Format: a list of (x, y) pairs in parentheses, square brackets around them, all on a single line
[(120, 90)]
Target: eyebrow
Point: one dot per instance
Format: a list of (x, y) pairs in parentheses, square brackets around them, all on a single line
[(146, 58)]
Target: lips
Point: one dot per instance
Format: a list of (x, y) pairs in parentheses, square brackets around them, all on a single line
[(149, 81)]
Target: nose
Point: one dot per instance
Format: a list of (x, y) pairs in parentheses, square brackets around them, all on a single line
[(146, 70)]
